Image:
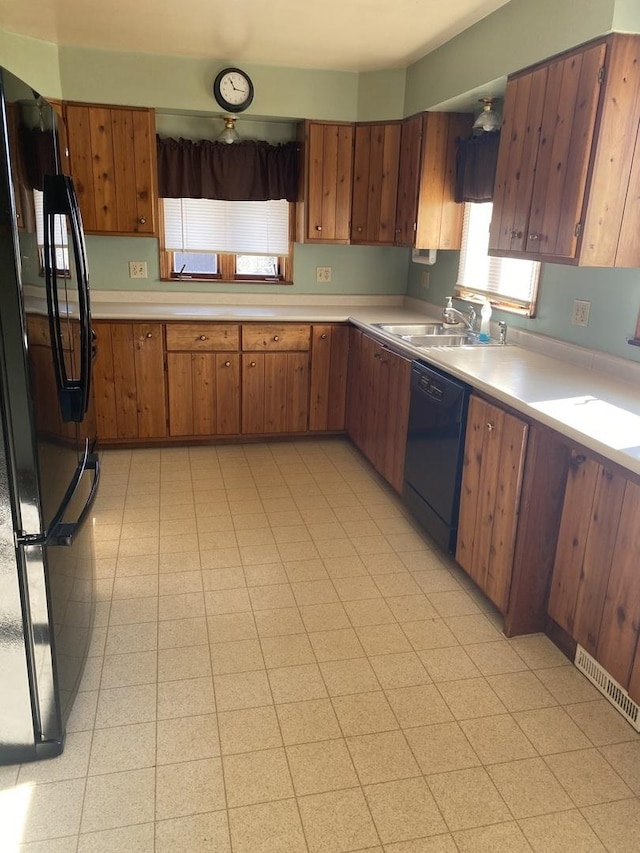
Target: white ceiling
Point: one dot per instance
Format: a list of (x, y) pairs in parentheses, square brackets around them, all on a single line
[(349, 35)]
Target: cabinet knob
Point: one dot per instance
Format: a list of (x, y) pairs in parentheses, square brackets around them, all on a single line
[(318, 227), (203, 337), (534, 236), (142, 220), (516, 234), (490, 427), (359, 228), (227, 364), (276, 338), (376, 355), (323, 336), (252, 364), (149, 335)]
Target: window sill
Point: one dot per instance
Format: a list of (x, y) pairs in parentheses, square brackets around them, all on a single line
[(239, 281), (500, 304)]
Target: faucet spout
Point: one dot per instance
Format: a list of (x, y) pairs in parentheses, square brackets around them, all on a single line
[(452, 315)]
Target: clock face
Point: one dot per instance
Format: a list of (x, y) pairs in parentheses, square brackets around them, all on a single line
[(233, 90)]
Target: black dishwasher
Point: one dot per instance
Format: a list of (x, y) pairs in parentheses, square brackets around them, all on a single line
[(435, 443)]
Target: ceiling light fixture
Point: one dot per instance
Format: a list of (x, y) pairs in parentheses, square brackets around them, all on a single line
[(229, 134), (489, 118)]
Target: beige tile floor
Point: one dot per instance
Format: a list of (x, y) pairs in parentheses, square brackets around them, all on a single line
[(282, 663)]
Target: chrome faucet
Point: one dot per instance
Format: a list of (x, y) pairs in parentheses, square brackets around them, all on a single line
[(503, 331), (452, 315)]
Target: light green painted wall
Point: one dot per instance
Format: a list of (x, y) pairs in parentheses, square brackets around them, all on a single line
[(614, 297), (626, 17), (34, 61), (355, 269), (185, 84), (516, 35), (381, 95)]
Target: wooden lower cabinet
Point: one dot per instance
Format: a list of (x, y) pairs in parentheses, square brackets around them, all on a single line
[(204, 393), (328, 383), (275, 392), (378, 405), (490, 497), (129, 381), (595, 589)]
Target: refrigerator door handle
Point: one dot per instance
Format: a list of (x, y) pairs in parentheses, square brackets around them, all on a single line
[(62, 532), (60, 199)]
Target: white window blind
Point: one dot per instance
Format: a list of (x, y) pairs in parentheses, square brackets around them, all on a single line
[(501, 280), (60, 233), (227, 227)]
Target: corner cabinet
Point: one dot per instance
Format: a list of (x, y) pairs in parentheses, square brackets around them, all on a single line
[(595, 589), (568, 176), (375, 183), (112, 159), (378, 405), (325, 213)]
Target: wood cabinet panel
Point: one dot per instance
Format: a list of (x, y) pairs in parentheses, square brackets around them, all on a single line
[(193, 337), (129, 381), (439, 220), (328, 171), (328, 381), (257, 337), (113, 162), (204, 393), (375, 183), (490, 497), (275, 392), (408, 181)]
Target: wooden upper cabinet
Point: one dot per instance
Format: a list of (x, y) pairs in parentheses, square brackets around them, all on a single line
[(112, 159), (439, 218), (375, 183), (568, 177), (408, 180), (328, 170)]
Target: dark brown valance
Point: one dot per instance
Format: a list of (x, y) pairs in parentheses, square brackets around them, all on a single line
[(39, 156), (476, 160), (243, 171)]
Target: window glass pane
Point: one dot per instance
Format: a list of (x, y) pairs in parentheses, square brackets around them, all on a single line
[(232, 227), (263, 265), (191, 263), (60, 234), (503, 278)]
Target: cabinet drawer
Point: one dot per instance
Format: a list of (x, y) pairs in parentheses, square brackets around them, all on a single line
[(258, 336), (190, 337)]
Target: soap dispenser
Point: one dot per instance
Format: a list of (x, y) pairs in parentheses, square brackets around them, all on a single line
[(485, 317)]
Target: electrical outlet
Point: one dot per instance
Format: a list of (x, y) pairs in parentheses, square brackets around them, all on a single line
[(425, 280), (581, 309), (323, 274), (137, 269)]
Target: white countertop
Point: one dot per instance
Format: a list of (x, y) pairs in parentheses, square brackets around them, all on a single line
[(594, 408)]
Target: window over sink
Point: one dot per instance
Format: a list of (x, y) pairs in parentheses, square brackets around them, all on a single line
[(509, 284)]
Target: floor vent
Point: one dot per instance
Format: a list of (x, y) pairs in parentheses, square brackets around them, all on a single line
[(617, 695)]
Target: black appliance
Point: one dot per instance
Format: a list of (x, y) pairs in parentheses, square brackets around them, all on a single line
[(433, 461), (49, 470)]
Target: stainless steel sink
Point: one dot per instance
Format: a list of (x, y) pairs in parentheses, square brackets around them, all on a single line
[(433, 335)]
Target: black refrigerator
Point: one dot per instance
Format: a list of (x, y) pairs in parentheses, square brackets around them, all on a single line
[(49, 470)]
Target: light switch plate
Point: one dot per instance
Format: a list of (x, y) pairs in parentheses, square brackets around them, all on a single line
[(137, 269), (581, 309)]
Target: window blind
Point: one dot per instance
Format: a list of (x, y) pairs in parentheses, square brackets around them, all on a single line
[(60, 233), (499, 279), (226, 227)]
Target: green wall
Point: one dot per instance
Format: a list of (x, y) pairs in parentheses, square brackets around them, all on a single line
[(34, 61)]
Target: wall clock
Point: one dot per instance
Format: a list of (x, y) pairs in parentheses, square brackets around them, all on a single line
[(233, 90)]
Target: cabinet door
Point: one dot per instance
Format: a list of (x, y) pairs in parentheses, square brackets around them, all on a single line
[(591, 509), (113, 163), (439, 223), (408, 181), (393, 416), (620, 627), (327, 397), (204, 393), (329, 178), (128, 380), (275, 392), (375, 183), (490, 497), (566, 137)]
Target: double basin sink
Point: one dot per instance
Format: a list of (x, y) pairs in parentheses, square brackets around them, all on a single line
[(433, 335)]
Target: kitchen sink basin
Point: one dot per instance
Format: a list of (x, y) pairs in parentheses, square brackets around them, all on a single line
[(433, 335)]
